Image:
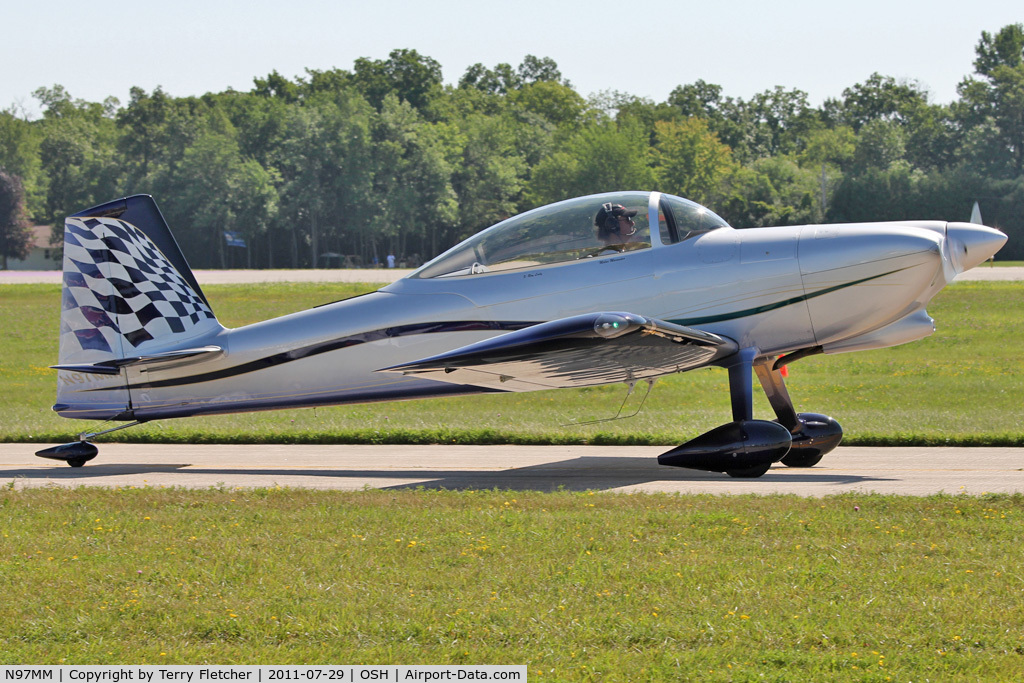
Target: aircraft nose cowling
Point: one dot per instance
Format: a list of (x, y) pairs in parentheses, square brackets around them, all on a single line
[(827, 248), (971, 244)]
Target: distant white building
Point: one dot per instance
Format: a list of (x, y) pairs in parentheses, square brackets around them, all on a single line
[(43, 256)]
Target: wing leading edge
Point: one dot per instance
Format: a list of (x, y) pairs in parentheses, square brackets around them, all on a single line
[(584, 350)]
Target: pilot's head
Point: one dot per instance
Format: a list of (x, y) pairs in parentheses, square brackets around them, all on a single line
[(614, 221)]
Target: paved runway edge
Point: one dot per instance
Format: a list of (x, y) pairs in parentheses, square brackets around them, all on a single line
[(906, 471)]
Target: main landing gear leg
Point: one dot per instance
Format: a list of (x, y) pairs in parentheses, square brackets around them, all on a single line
[(813, 434), (745, 447), (77, 453)]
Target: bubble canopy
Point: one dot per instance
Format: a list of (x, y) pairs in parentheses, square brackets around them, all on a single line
[(569, 231)]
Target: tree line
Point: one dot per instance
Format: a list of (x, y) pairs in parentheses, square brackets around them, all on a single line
[(385, 158)]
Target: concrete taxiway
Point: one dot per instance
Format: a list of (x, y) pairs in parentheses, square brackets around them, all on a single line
[(908, 471)]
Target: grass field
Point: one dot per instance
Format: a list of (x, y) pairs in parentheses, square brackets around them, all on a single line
[(963, 385), (578, 586)]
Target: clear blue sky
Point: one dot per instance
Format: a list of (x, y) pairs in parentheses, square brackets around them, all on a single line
[(642, 47)]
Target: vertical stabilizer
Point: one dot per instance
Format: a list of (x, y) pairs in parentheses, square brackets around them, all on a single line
[(124, 296)]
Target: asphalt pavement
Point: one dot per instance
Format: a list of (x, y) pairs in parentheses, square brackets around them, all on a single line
[(904, 471)]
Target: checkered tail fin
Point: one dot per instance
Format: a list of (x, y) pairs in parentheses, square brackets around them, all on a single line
[(128, 291)]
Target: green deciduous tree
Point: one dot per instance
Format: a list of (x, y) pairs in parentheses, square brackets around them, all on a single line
[(879, 145), (155, 130), (1005, 48), (601, 157), (77, 154), (927, 129), (832, 146), (876, 194), (406, 74), (384, 157), (326, 167), (19, 156), (217, 190), (503, 79), (993, 106), (497, 81), (699, 99), (540, 70), (771, 191), (415, 205), (488, 173), (275, 86), (689, 160), (15, 233), (556, 103), (776, 122)]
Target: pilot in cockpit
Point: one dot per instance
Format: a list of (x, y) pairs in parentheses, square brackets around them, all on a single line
[(615, 226)]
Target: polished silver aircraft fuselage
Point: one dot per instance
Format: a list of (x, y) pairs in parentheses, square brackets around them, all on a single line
[(777, 289), (756, 296)]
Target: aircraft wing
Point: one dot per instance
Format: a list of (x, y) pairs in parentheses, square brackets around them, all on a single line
[(584, 350)]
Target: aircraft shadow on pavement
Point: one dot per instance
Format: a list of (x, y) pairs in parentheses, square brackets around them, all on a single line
[(588, 473), (597, 474), (63, 472)]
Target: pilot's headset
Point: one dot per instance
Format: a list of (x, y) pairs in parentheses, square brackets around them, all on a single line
[(611, 221)]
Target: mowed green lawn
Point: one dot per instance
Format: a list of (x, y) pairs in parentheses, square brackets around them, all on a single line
[(963, 385), (577, 586)]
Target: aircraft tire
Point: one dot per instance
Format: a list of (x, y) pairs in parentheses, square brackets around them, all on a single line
[(802, 458), (749, 472), (817, 435)]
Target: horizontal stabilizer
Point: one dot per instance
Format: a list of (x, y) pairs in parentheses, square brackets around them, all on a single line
[(113, 366), (584, 350)]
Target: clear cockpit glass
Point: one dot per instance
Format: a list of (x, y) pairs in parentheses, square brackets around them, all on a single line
[(558, 233), (687, 219)]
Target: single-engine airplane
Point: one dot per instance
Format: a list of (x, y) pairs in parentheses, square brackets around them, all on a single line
[(617, 287)]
